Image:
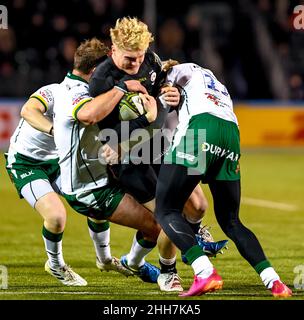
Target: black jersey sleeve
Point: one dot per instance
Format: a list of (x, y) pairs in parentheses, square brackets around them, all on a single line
[(155, 62), (102, 79), (100, 84)]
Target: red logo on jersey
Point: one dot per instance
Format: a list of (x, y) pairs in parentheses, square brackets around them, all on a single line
[(78, 98), (212, 98), (47, 95)]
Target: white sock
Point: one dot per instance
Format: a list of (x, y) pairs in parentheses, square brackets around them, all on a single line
[(268, 277), (202, 267), (136, 256), (54, 252), (167, 262), (101, 241)]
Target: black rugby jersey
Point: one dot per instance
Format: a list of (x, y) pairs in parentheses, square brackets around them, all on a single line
[(106, 76)]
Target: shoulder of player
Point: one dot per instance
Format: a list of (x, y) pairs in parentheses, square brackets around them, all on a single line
[(46, 94), (71, 86), (50, 88), (104, 68), (73, 92)]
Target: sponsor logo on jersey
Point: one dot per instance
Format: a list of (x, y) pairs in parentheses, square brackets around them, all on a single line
[(47, 95), (216, 100), (219, 152), (79, 97), (186, 156), (25, 175), (142, 79), (212, 98), (153, 76)]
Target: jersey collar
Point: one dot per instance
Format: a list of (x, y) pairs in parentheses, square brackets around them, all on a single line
[(74, 77)]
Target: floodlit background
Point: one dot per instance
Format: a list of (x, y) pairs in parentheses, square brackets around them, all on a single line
[(255, 47)]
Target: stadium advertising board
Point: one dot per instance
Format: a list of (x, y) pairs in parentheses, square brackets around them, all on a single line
[(9, 118), (271, 125), (261, 125)]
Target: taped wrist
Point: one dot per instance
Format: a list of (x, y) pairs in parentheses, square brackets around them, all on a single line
[(120, 85)]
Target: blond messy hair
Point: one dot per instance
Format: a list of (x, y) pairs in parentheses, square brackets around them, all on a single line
[(168, 64), (131, 34), (88, 55)]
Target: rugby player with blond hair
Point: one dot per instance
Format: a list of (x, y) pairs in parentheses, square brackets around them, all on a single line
[(132, 60)]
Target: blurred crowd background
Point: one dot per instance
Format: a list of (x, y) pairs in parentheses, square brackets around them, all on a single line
[(250, 45)]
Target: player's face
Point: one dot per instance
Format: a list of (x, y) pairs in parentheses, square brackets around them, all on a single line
[(128, 61)]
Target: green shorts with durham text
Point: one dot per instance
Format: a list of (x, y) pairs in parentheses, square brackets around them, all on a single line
[(210, 147)]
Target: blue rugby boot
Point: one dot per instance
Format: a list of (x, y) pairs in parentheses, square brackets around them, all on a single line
[(147, 273), (207, 243), (211, 249)]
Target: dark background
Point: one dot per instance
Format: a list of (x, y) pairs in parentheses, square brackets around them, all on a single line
[(250, 45)]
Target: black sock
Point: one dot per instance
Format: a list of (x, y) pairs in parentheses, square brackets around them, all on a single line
[(194, 226), (167, 268)]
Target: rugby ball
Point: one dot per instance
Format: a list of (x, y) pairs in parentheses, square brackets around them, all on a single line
[(130, 106)]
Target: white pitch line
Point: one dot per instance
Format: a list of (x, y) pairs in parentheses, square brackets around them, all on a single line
[(269, 204), (72, 293), (221, 293)]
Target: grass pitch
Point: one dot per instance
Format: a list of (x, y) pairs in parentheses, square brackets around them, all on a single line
[(272, 187)]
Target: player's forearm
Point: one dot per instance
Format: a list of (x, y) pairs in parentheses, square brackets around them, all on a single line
[(100, 107), (36, 119)]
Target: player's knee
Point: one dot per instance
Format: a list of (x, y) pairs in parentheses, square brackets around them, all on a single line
[(56, 221), (200, 208), (203, 206), (196, 209), (56, 224)]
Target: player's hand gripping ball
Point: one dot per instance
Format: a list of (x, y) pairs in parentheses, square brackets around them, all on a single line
[(130, 106)]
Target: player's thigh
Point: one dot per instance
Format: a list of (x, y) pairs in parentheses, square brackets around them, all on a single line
[(51, 208), (196, 204), (139, 181), (174, 187), (36, 189), (131, 214)]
